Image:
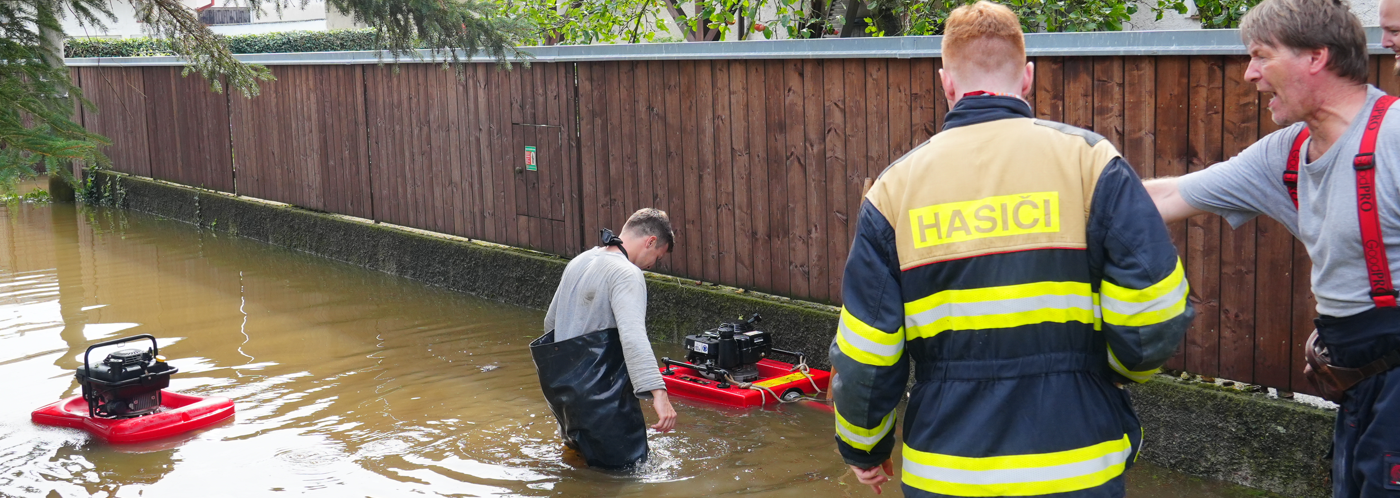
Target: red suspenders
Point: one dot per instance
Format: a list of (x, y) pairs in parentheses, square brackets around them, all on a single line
[(1377, 265)]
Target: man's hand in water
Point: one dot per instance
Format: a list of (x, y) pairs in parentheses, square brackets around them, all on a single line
[(872, 475), (664, 412)]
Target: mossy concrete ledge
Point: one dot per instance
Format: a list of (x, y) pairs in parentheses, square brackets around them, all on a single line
[(1232, 435), (1199, 429)]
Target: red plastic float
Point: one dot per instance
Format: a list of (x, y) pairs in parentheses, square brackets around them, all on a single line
[(178, 413), (775, 379)]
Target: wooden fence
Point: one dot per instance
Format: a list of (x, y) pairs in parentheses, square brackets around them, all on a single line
[(760, 163)]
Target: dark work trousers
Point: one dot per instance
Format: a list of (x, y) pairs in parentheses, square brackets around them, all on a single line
[(1366, 446), (586, 384)]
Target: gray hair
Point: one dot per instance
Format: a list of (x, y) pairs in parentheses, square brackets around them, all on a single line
[(1310, 25)]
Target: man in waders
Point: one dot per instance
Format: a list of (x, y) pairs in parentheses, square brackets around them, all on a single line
[(1331, 177), (594, 360), (1022, 267)]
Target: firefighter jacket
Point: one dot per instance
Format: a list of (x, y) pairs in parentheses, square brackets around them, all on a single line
[(1022, 269)]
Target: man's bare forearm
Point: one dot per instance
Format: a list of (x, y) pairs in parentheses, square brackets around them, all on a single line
[(1167, 196)]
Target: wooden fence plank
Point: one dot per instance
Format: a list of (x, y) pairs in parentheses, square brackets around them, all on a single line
[(501, 161), (588, 162), (627, 124), (794, 206), (877, 125), (856, 142), (464, 192), (661, 144), (471, 155), (1140, 114), (724, 122), (838, 215), (778, 119), (391, 159), (519, 97), (490, 217), (759, 167), (1108, 99), (675, 166), (741, 155), (1079, 92), (690, 135), (899, 113), (705, 115), (1202, 256), (641, 116), (439, 156), (161, 125), (573, 232), (1050, 88), (923, 100), (813, 233)]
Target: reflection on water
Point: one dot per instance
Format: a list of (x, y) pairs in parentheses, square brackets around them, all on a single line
[(347, 382)]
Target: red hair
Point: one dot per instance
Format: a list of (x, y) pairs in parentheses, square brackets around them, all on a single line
[(985, 38)]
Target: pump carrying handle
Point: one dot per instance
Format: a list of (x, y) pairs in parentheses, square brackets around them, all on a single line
[(801, 358), (698, 368), (87, 369)]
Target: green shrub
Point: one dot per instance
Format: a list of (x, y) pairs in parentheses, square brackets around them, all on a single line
[(269, 43)]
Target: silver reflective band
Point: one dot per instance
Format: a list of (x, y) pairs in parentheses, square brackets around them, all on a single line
[(1166, 301), (1015, 476), (867, 441), (1001, 307), (868, 345)]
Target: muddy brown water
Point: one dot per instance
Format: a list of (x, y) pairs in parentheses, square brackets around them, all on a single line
[(347, 382)]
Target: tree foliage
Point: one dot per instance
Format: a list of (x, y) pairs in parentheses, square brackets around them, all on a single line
[(575, 22), (1214, 14), (37, 99)]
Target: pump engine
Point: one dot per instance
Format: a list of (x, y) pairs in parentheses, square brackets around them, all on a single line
[(734, 347), (127, 382)]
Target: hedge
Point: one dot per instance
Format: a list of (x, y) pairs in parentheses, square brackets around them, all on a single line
[(269, 43)]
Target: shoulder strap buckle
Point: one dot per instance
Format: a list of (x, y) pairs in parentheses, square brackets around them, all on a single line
[(1364, 161)]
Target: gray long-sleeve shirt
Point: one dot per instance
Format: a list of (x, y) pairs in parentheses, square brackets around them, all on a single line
[(601, 289)]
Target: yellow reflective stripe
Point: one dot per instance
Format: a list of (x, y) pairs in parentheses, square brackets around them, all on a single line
[(1158, 303), (1016, 475), (1152, 293), (1138, 376), (861, 438), (1143, 319), (1000, 307), (867, 344)]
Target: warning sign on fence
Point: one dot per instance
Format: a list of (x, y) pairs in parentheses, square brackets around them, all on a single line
[(530, 164)]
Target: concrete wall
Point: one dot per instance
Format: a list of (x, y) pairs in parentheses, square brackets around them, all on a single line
[(1200, 429)]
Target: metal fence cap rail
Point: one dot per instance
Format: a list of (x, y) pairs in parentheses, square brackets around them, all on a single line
[(1185, 42)]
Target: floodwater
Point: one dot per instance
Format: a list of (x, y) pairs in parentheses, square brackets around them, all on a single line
[(347, 382)]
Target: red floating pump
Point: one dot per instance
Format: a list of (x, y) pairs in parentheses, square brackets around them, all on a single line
[(124, 400), (731, 365)]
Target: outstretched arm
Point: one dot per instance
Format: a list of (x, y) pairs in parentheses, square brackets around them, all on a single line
[(1167, 197)]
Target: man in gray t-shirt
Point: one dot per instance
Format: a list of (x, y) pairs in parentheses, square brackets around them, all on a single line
[(595, 346), (1310, 55), (1325, 220)]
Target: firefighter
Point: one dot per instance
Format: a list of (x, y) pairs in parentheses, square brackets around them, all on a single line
[(1022, 267)]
